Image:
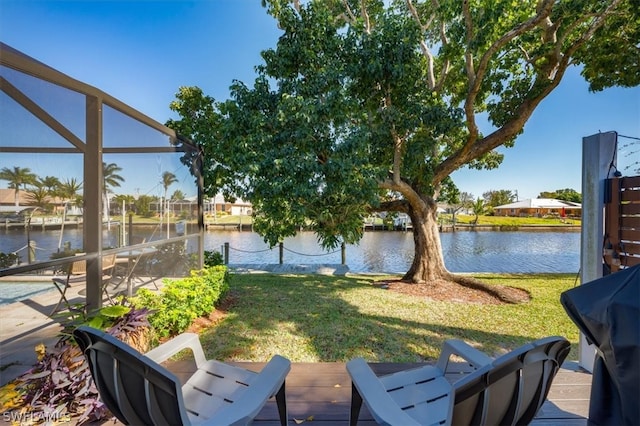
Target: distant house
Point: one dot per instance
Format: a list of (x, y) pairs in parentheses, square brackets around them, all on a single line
[(539, 207), (219, 205), (8, 203)]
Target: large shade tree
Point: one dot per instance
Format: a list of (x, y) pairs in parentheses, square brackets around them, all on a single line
[(367, 105)]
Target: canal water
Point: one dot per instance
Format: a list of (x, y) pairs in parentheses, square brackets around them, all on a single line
[(380, 251)]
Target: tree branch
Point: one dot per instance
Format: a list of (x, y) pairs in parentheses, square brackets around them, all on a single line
[(475, 77), (544, 83), (392, 206), (446, 66), (468, 56), (411, 197), (352, 17), (432, 83), (365, 16)]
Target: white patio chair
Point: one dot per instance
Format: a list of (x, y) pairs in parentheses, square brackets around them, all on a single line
[(508, 390), (139, 391)]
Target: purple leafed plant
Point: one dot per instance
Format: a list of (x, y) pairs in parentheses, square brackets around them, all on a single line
[(61, 386)]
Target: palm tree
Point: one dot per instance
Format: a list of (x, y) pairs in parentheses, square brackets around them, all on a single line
[(17, 177), (127, 199), (39, 197), (178, 195), (50, 183), (168, 178), (478, 209), (68, 191), (111, 179)]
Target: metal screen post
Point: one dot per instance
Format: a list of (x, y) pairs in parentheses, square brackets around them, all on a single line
[(92, 201)]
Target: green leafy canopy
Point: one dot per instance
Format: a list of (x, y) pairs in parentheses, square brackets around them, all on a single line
[(367, 105)]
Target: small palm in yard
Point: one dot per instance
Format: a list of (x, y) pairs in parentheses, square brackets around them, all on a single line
[(321, 318)]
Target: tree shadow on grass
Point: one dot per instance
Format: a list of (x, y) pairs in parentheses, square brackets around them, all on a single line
[(327, 319)]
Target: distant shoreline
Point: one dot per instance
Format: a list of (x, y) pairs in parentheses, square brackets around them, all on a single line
[(230, 226), (508, 228)]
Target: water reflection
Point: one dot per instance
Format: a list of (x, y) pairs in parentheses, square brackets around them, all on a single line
[(511, 252)]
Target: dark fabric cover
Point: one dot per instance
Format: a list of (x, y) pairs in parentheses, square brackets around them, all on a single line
[(607, 311)]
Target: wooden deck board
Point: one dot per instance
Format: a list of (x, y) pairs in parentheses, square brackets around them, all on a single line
[(322, 392)]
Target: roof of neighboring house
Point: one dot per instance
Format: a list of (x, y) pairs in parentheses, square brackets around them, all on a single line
[(541, 203), (7, 197)]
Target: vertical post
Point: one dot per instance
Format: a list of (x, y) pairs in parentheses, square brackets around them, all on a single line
[(92, 199), (130, 228), (281, 254), (343, 250), (598, 157), (123, 228), (31, 252), (226, 253)]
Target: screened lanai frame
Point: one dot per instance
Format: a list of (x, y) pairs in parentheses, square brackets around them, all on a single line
[(112, 129)]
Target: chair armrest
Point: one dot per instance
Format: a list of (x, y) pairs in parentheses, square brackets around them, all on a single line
[(382, 407), (462, 349), (265, 385), (171, 347)]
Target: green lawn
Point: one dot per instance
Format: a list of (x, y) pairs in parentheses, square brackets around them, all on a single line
[(311, 318), (513, 221)]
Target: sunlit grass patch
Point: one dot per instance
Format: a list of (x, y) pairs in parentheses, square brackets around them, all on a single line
[(310, 318)]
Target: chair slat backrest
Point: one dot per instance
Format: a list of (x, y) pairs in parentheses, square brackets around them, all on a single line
[(79, 267), (513, 388), (108, 262), (134, 388)]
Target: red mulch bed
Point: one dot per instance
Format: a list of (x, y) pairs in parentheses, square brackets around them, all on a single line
[(449, 291)]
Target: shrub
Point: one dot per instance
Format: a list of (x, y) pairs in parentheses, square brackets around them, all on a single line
[(181, 301), (213, 258), (8, 259)]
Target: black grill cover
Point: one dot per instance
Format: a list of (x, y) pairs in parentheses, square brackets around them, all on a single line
[(607, 311)]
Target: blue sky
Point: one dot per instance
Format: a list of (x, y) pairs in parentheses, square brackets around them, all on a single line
[(142, 52)]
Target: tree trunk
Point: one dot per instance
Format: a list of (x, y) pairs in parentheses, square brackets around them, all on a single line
[(428, 262)]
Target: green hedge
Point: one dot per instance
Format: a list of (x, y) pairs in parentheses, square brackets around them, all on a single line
[(181, 301)]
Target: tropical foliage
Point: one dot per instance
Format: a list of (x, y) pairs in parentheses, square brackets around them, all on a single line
[(17, 177), (60, 386), (495, 198), (168, 179), (111, 179), (566, 194)]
